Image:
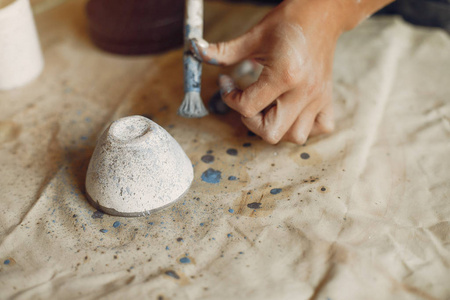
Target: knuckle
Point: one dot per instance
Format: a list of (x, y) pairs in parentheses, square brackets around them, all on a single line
[(290, 76), (328, 127), (221, 48), (326, 123), (246, 111), (299, 139), (271, 137)]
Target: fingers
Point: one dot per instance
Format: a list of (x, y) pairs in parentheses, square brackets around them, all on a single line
[(254, 98), (300, 130), (224, 53), (273, 123), (324, 122)]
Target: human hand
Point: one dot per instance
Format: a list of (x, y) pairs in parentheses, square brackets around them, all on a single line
[(292, 97), (295, 43)]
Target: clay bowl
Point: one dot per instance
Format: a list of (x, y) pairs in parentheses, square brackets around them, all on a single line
[(137, 168), (136, 27)]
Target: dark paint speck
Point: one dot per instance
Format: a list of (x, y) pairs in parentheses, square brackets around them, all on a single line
[(275, 191), (209, 159), (254, 205), (172, 274), (97, 215), (304, 155), (232, 152)]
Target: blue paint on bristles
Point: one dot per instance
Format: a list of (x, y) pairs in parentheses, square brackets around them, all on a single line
[(192, 105)]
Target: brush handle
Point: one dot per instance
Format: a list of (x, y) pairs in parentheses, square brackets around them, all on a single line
[(193, 28)]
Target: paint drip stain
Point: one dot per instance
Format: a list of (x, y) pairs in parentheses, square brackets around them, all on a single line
[(97, 215), (185, 260), (275, 191), (7, 262), (208, 159), (103, 230), (232, 178), (305, 155), (254, 205), (232, 152), (212, 176), (231, 210), (172, 274), (116, 224)]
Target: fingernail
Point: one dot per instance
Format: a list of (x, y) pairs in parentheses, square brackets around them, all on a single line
[(202, 43), (226, 85), (195, 49)]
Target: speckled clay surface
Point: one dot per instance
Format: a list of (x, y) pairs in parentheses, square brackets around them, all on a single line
[(137, 167)]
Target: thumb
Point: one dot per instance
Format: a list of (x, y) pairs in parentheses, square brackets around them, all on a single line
[(224, 53)]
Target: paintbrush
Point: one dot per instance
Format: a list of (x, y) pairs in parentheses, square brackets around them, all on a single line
[(192, 106)]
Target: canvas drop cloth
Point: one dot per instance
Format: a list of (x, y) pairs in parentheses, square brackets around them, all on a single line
[(362, 213)]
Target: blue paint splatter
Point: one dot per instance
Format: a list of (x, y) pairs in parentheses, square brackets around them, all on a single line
[(172, 274), (7, 262), (167, 248), (229, 235), (116, 224), (275, 191), (232, 178), (241, 252), (185, 260), (151, 223), (212, 176), (103, 230), (231, 210), (201, 224)]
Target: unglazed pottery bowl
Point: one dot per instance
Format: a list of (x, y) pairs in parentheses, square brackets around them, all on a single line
[(137, 168)]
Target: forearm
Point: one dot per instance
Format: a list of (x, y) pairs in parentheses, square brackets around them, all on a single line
[(338, 15), (354, 12)]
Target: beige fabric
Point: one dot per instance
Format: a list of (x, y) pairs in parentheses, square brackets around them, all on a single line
[(365, 217)]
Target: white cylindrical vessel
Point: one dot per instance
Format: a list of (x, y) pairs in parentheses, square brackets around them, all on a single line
[(21, 58)]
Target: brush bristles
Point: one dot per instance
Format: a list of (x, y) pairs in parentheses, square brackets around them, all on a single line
[(192, 106)]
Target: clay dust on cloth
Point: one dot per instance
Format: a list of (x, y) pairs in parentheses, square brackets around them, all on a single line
[(362, 213)]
